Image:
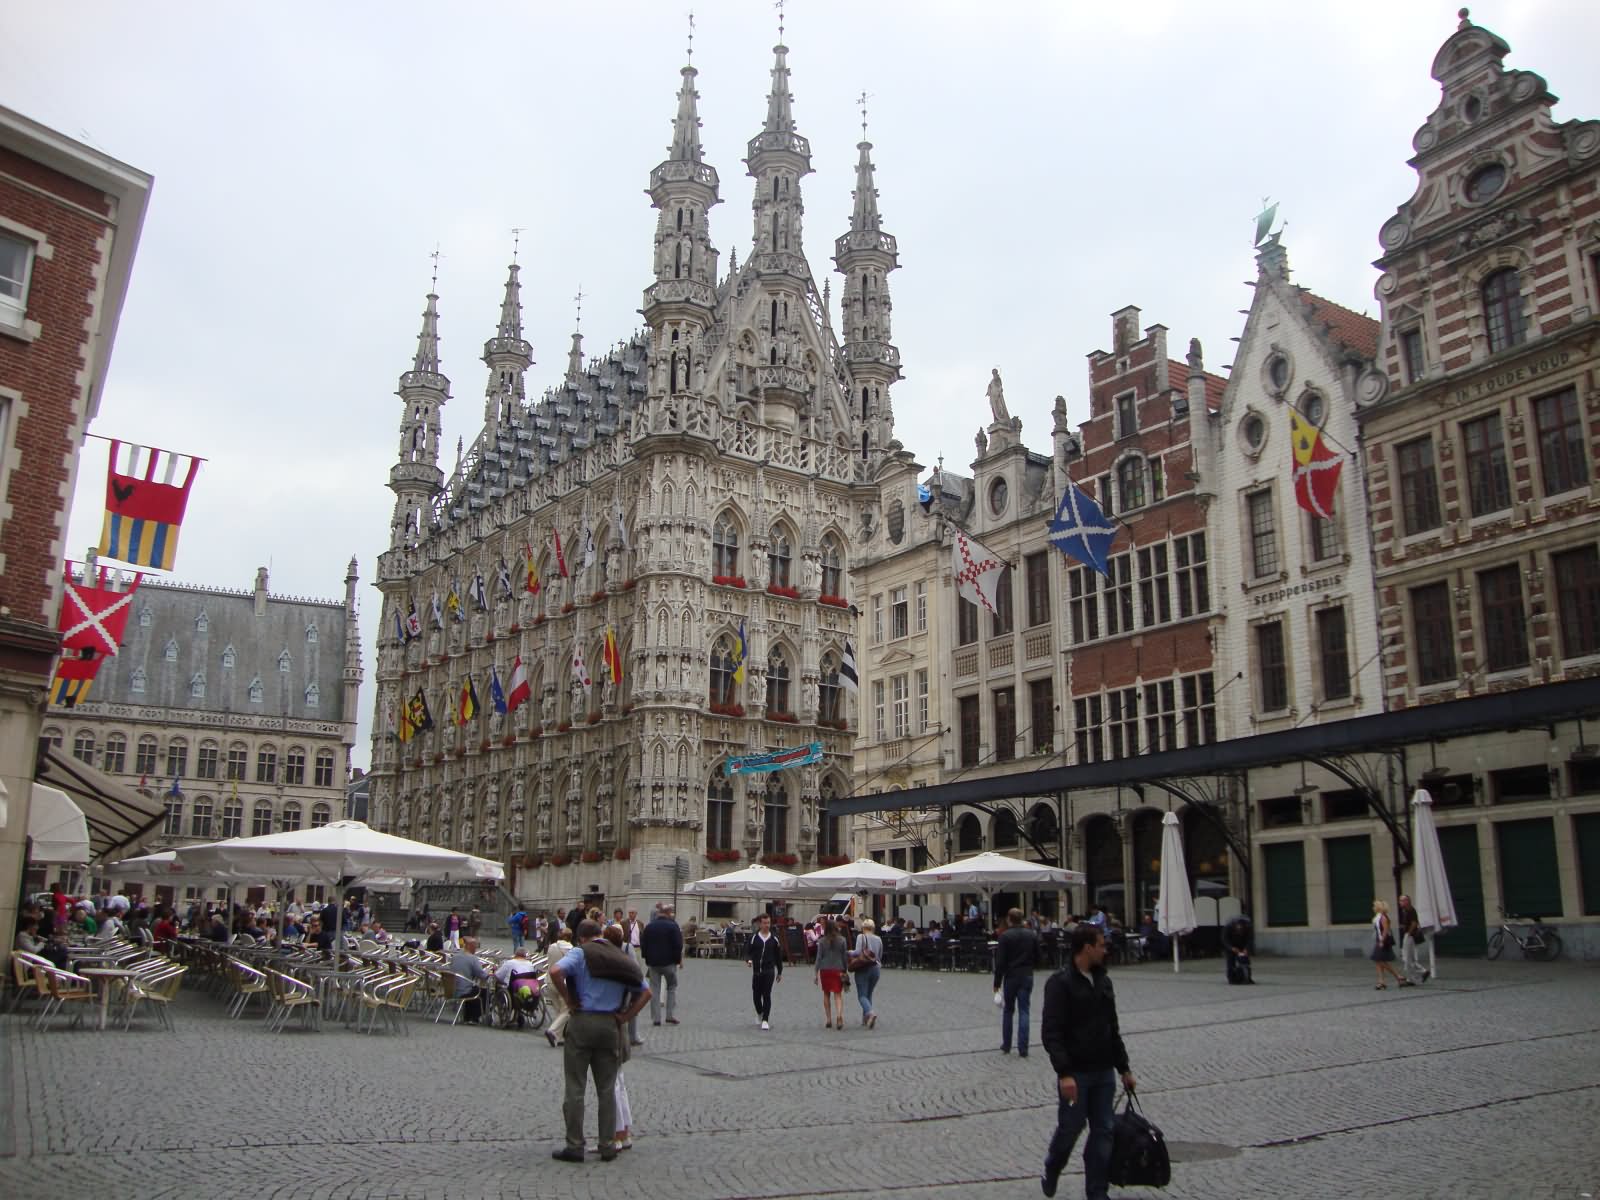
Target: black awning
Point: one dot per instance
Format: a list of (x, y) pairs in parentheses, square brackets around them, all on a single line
[(119, 817)]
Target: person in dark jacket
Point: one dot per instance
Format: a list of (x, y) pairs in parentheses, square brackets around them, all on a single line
[(1236, 940), (1014, 960), (661, 947), (1081, 1035), (765, 956)]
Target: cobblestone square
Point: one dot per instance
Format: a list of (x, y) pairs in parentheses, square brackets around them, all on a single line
[(1311, 1084)]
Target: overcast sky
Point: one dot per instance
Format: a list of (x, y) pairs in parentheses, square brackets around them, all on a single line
[(1042, 165)]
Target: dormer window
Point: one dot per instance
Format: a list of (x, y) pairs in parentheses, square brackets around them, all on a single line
[(283, 663), (171, 652), (197, 687), (144, 617), (255, 690), (228, 659), (311, 635), (313, 695), (202, 623), (136, 681)]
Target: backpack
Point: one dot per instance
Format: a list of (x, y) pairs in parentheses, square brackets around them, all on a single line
[(1138, 1151)]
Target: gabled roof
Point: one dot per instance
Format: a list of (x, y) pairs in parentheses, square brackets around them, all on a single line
[(1178, 377), (1351, 330)]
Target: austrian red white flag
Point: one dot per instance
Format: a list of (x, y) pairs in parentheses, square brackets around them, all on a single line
[(580, 672), (977, 571), (520, 691)]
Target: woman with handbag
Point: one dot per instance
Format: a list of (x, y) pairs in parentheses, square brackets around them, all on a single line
[(829, 974), (1383, 944), (865, 961)]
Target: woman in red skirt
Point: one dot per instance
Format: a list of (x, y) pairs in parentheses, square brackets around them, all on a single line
[(831, 958)]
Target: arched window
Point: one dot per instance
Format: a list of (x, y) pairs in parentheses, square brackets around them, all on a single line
[(832, 567), (144, 759), (232, 819), (53, 736), (83, 747), (719, 812), (725, 546), (291, 817), (777, 682), (830, 706), (722, 689), (294, 765), (969, 835), (200, 818), (261, 819), (321, 814), (177, 758), (1130, 483), (778, 556), (238, 758), (1005, 829), (324, 777), (115, 760), (828, 840), (1043, 825), (775, 835), (1502, 310), (267, 764)]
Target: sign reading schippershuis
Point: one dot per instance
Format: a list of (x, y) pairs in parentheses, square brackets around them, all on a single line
[(776, 760)]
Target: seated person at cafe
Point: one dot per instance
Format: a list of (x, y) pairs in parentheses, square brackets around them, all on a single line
[(471, 977), (27, 936), (320, 935), (292, 930), (165, 928), (435, 940), (217, 928), (83, 921), (1156, 944), (517, 973)]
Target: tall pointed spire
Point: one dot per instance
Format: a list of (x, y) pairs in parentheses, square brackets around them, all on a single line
[(427, 356), (508, 356), (511, 307), (778, 158), (415, 477), (780, 114), (686, 125), (865, 216)]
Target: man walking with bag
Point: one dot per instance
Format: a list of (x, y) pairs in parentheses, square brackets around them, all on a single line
[(1014, 959), (1411, 936), (1082, 1037)]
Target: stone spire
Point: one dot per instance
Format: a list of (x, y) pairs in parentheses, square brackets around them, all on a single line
[(508, 356), (780, 112), (777, 159), (865, 256), (575, 356), (415, 478), (685, 145)]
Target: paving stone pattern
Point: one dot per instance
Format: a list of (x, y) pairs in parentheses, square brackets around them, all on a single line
[(1311, 1084)]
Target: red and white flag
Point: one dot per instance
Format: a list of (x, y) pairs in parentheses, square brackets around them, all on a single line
[(580, 672), (520, 691), (977, 571), (561, 559)]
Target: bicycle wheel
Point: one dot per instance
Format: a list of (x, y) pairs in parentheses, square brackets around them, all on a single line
[(1497, 943), (1551, 949), (535, 1013), (500, 1014)]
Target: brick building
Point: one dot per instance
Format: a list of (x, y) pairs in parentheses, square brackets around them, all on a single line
[(1481, 439), (70, 218)]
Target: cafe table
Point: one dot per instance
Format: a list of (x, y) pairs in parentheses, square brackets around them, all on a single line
[(104, 978)]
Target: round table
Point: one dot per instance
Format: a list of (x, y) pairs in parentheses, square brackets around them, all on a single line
[(103, 977)]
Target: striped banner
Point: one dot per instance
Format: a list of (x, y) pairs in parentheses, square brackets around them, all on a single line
[(776, 760), (145, 503)]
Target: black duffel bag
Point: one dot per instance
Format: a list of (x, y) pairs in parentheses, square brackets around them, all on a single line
[(1138, 1151)]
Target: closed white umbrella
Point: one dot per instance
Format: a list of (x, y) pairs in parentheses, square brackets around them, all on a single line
[(1430, 895), (754, 880), (57, 831), (1177, 902), (863, 875)]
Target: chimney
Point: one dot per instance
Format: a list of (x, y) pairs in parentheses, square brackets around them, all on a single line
[(261, 591)]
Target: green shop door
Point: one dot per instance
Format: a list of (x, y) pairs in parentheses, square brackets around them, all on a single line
[(1459, 844)]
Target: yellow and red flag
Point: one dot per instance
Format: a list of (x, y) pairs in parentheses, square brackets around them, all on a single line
[(532, 582), (1316, 468), (613, 657), (145, 503)]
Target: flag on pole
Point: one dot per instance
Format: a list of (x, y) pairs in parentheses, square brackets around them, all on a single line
[(613, 657), (622, 525), (531, 586), (419, 714), (504, 578), (68, 692), (1080, 530), (413, 622), (438, 611), (497, 694), (144, 512), (399, 626), (480, 595), (977, 571), (467, 703), (580, 671), (175, 790), (452, 602), (520, 691), (588, 546), (739, 652), (1316, 468), (561, 559), (849, 677), (94, 613)]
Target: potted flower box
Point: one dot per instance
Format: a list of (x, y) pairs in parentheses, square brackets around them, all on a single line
[(559, 860), (564, 727), (596, 597), (833, 601), (629, 584), (592, 719), (787, 717), (622, 854), (510, 739), (591, 856), (778, 589)]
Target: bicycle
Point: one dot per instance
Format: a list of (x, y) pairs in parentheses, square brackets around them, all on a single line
[(1542, 943)]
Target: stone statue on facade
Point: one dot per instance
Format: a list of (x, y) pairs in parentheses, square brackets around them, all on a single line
[(981, 441), (997, 399)]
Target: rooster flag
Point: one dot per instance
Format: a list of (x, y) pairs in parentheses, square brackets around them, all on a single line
[(561, 559), (1316, 468), (977, 571), (145, 504), (418, 713), (520, 691), (94, 612), (531, 582), (613, 657), (452, 603)]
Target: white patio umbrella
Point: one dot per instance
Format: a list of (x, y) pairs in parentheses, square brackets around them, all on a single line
[(754, 880), (862, 875), (57, 831), (1175, 898), (163, 865), (1430, 895), (340, 853), (988, 873)]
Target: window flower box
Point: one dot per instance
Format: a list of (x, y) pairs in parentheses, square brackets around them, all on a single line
[(840, 724), (722, 856), (516, 628), (833, 601), (532, 860), (629, 584), (559, 860), (832, 860), (510, 739), (483, 745), (779, 860), (564, 727), (488, 637), (727, 710), (591, 856), (592, 719), (438, 757), (786, 717), (539, 620), (626, 709), (596, 597), (778, 589), (622, 854), (568, 607), (733, 581)]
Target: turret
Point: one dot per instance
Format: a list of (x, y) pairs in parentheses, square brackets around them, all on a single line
[(508, 357), (353, 672), (415, 477), (865, 256)]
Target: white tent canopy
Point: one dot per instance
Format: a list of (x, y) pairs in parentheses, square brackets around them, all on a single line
[(989, 872), (1175, 898), (340, 852), (862, 875), (57, 830), (754, 880)]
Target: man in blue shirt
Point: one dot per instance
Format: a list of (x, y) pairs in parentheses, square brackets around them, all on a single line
[(594, 1042)]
